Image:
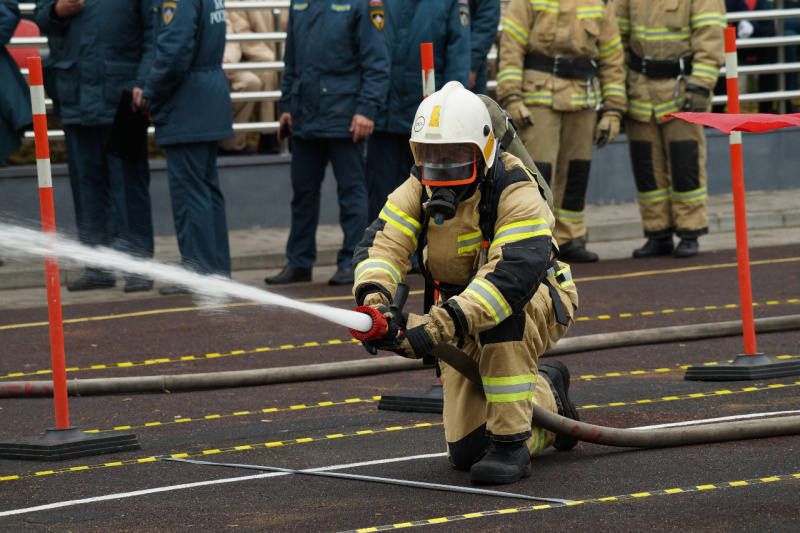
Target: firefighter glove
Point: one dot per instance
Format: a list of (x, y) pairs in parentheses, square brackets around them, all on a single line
[(607, 127), (423, 333), (697, 98), (519, 112)]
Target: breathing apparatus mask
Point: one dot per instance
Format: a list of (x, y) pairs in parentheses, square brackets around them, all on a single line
[(454, 146)]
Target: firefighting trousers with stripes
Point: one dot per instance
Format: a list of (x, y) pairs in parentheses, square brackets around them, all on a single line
[(507, 357)]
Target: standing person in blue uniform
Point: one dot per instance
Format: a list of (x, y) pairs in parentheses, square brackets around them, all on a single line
[(103, 48), (190, 103), (483, 32), (409, 23), (15, 106), (335, 80)]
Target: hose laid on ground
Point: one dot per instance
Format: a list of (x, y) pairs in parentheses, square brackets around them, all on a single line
[(361, 367)]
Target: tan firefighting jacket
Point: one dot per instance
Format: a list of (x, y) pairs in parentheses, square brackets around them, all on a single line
[(249, 21), (517, 261), (668, 30), (574, 29)]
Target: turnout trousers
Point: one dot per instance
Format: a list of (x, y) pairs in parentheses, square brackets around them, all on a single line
[(507, 357), (198, 207), (560, 143), (309, 159), (669, 165)]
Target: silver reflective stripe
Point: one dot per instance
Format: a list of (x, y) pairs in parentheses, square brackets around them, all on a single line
[(490, 299)]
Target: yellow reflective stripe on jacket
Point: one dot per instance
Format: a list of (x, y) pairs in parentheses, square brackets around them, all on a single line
[(490, 298), (610, 47), (690, 196), (640, 108), (624, 24), (538, 97), (509, 389), (563, 276), (467, 243), (589, 12), (708, 19), (613, 89), (660, 34), (571, 216), (705, 71), (580, 99), (515, 30), (666, 108), (514, 74), (544, 5), (524, 229), (658, 195), (397, 218), (377, 265)]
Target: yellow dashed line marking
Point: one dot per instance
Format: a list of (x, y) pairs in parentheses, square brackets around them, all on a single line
[(606, 499), (684, 309)]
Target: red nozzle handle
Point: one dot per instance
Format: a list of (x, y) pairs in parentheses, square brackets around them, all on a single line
[(379, 325)]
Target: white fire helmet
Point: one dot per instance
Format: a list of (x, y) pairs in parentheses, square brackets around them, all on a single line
[(455, 117)]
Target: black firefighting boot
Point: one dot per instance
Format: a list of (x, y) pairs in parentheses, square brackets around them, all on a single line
[(504, 463), (574, 251), (557, 375), (688, 247), (654, 247)]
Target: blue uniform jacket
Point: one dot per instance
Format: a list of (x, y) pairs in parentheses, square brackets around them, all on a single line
[(190, 101), (102, 51), (336, 65), (483, 31), (15, 98), (445, 23)]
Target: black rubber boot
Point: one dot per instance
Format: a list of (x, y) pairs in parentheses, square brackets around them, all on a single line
[(575, 251), (654, 247), (289, 275), (504, 463), (688, 247), (557, 375)]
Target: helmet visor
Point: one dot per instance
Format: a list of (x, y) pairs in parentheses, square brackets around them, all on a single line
[(447, 164)]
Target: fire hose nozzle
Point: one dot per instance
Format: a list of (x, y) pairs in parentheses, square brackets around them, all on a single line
[(379, 325)]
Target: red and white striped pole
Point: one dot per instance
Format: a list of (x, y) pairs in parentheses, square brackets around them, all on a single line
[(49, 228), (428, 78), (739, 209)]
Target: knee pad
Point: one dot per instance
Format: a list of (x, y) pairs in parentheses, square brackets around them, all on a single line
[(642, 163), (577, 182), (684, 158), (465, 452)]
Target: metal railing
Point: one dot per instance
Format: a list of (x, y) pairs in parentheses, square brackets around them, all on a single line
[(779, 41)]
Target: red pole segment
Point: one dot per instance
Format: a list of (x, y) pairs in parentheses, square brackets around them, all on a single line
[(49, 228), (428, 78), (739, 208)]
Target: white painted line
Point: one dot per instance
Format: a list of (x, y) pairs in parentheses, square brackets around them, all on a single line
[(155, 490), (721, 419)]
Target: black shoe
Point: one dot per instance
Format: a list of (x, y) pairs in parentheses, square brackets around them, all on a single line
[(653, 247), (92, 280), (343, 276), (290, 275), (268, 144), (557, 375), (504, 462), (244, 151), (686, 248), (174, 289), (575, 251), (138, 284)]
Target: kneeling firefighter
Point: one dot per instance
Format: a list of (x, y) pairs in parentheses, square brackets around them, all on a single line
[(502, 297)]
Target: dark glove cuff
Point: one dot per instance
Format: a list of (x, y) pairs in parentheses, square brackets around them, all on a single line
[(368, 289), (694, 88), (420, 341)]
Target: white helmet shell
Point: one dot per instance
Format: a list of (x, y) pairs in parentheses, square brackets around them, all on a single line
[(454, 115)]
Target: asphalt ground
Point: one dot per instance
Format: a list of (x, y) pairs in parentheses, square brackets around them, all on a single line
[(334, 424)]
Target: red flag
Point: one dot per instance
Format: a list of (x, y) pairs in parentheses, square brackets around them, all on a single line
[(753, 122)]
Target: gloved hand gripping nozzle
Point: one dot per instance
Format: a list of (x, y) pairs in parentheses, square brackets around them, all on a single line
[(387, 323)]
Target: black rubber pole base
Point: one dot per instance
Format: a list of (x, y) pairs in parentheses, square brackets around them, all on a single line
[(431, 401), (61, 444), (744, 367)]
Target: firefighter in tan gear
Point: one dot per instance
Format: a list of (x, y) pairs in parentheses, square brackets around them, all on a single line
[(561, 77), (504, 301), (673, 50)]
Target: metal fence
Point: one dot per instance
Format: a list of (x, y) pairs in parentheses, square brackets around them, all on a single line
[(278, 37)]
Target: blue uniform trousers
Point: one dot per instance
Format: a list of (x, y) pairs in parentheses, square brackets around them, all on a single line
[(198, 207), (111, 195), (309, 159), (389, 163)]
